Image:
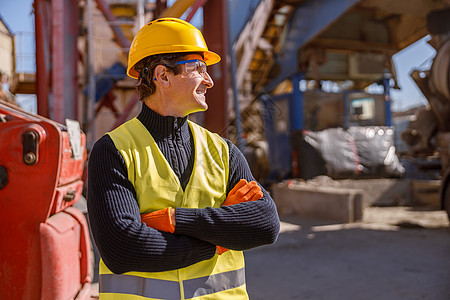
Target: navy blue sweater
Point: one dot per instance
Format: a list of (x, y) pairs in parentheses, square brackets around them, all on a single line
[(125, 244)]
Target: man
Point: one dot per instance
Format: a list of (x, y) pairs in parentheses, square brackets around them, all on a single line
[(172, 205)]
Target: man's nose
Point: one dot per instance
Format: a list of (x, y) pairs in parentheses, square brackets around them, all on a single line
[(207, 81)]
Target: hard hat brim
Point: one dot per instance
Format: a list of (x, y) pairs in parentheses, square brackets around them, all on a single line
[(209, 57)]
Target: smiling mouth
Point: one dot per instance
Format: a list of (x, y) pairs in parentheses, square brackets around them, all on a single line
[(201, 92)]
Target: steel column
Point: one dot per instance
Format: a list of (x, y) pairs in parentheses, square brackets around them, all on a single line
[(58, 70), (64, 55), (296, 104), (387, 100), (42, 28), (215, 33), (91, 75), (71, 58), (140, 13), (56, 58)]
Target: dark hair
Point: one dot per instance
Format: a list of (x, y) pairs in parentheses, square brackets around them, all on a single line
[(146, 67)]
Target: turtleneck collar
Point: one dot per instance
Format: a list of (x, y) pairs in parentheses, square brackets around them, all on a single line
[(161, 127)]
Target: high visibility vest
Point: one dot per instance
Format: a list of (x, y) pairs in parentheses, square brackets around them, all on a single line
[(221, 277)]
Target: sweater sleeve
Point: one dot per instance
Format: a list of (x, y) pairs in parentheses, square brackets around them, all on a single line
[(237, 227), (124, 243)]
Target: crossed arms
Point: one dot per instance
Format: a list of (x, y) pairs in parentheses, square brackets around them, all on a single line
[(126, 243)]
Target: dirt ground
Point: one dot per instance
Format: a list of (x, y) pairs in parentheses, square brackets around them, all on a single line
[(394, 253)]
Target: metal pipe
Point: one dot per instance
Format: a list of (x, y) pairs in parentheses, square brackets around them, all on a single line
[(42, 60), (195, 7), (140, 13), (91, 75)]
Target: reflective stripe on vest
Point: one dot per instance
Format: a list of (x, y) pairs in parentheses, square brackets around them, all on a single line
[(224, 275), (214, 283), (164, 289), (139, 286)]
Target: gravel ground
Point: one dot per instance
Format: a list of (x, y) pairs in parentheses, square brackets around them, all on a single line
[(394, 253)]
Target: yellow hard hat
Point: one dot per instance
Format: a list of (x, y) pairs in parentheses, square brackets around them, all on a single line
[(167, 35)]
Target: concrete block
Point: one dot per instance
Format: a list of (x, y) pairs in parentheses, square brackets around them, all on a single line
[(329, 203), (381, 191), (426, 192)]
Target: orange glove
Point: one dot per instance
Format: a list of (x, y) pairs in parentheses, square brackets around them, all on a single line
[(221, 250), (163, 219), (243, 191)]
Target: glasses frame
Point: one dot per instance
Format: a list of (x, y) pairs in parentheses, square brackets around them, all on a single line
[(194, 65)]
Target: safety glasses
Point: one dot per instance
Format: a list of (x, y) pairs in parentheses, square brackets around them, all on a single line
[(193, 65)]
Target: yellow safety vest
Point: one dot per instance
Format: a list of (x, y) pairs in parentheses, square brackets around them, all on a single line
[(158, 187)]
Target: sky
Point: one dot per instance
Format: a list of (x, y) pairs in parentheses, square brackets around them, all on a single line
[(417, 56), (18, 15)]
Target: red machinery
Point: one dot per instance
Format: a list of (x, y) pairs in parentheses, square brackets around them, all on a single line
[(45, 248)]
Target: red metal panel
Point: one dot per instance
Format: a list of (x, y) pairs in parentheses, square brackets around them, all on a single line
[(65, 255), (60, 239), (25, 202), (30, 195), (215, 33), (70, 168)]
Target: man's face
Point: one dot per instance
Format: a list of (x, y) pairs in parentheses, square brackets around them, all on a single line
[(188, 89)]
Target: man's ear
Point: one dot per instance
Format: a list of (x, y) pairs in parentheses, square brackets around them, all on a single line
[(160, 76)]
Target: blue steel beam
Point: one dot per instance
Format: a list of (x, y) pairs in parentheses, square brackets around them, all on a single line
[(307, 21), (240, 12)]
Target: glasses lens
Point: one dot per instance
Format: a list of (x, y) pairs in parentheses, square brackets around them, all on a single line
[(201, 67), (194, 65), (190, 66)]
